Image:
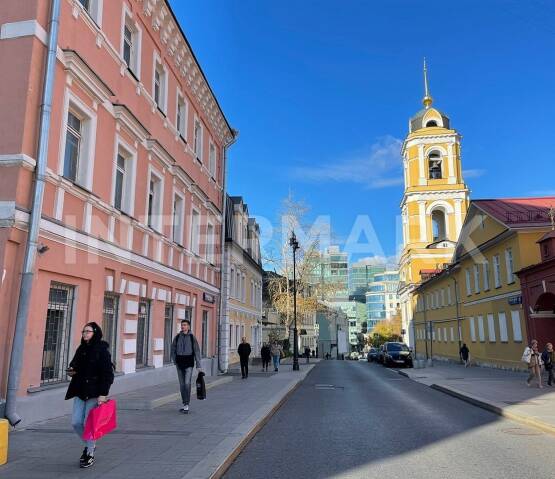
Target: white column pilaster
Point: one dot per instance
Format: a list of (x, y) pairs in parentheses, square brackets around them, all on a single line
[(458, 218), (421, 166), (451, 162), (422, 221)]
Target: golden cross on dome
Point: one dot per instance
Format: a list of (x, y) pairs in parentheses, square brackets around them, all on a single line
[(427, 100)]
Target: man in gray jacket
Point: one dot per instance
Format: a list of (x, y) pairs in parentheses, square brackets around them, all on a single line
[(185, 353)]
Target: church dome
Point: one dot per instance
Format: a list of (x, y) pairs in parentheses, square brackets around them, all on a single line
[(428, 118)]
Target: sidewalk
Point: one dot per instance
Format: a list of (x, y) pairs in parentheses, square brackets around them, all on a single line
[(153, 439), (502, 392)]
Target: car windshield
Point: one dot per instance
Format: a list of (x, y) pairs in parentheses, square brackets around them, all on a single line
[(397, 347)]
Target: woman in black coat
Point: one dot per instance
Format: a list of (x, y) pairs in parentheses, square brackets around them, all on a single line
[(92, 374)]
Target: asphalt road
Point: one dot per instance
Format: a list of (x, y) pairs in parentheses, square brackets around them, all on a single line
[(360, 420)]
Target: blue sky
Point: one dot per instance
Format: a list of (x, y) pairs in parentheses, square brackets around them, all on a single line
[(321, 92)]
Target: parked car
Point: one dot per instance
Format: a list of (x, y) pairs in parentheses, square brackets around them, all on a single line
[(396, 354), (372, 355)]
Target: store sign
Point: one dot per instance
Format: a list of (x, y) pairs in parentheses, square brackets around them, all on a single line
[(208, 298), (515, 299)]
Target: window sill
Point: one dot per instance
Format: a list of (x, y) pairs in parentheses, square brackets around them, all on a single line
[(183, 138), (198, 160), (132, 73), (161, 111), (80, 187)]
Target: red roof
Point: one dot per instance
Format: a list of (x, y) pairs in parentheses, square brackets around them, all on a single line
[(519, 212)]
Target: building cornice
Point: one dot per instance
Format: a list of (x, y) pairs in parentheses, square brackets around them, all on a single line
[(164, 22)]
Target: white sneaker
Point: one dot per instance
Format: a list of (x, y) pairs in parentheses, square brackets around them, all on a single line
[(185, 409)]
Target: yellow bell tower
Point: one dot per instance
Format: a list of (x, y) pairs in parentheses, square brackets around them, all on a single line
[(435, 199)]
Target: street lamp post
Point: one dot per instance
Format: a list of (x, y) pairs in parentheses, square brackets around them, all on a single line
[(295, 246)]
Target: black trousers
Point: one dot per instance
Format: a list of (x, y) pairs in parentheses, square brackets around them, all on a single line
[(265, 363), (244, 367), (550, 376)]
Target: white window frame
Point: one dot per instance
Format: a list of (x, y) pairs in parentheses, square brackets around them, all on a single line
[(472, 329), (449, 295), (491, 328), (128, 193), (158, 65), (212, 159), (496, 271), (194, 236), (442, 293), (180, 233), (94, 11), (136, 39), (467, 278), (503, 332), (476, 278), (517, 328), (485, 275), (156, 215), (198, 145), (232, 282), (509, 264), (181, 100), (210, 242), (481, 332), (88, 139)]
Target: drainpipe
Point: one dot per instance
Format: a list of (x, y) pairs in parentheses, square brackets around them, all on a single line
[(16, 357), (223, 298)]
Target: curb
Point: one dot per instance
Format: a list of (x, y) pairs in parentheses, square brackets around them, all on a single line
[(481, 403), (222, 468)]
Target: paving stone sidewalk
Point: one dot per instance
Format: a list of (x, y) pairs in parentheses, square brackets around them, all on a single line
[(502, 392), (158, 442)]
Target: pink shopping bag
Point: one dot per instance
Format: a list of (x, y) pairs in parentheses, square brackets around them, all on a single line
[(101, 420)]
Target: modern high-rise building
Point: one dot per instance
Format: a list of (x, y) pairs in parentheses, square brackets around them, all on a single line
[(382, 298), (332, 268), (360, 275)]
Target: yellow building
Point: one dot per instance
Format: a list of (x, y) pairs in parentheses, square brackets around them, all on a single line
[(242, 316), (434, 202), (477, 299)]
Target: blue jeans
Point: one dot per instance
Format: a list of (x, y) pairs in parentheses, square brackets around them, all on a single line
[(184, 376), (81, 410), (276, 361)]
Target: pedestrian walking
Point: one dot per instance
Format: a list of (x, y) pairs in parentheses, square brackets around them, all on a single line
[(266, 355), (276, 351), (548, 358), (464, 353), (244, 351), (185, 353), (92, 374), (307, 354), (533, 358)]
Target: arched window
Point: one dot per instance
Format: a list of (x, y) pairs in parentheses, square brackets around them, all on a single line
[(434, 165), (438, 225), (431, 123)]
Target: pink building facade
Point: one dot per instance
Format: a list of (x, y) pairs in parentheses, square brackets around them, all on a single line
[(130, 234)]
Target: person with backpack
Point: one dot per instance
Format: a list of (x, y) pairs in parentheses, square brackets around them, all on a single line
[(464, 353), (548, 358), (533, 359), (92, 373), (266, 355), (244, 351), (185, 353)]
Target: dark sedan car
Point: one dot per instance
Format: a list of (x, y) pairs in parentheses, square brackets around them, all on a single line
[(372, 355), (397, 354)]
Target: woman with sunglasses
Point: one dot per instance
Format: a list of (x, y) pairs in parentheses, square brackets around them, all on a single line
[(92, 374)]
